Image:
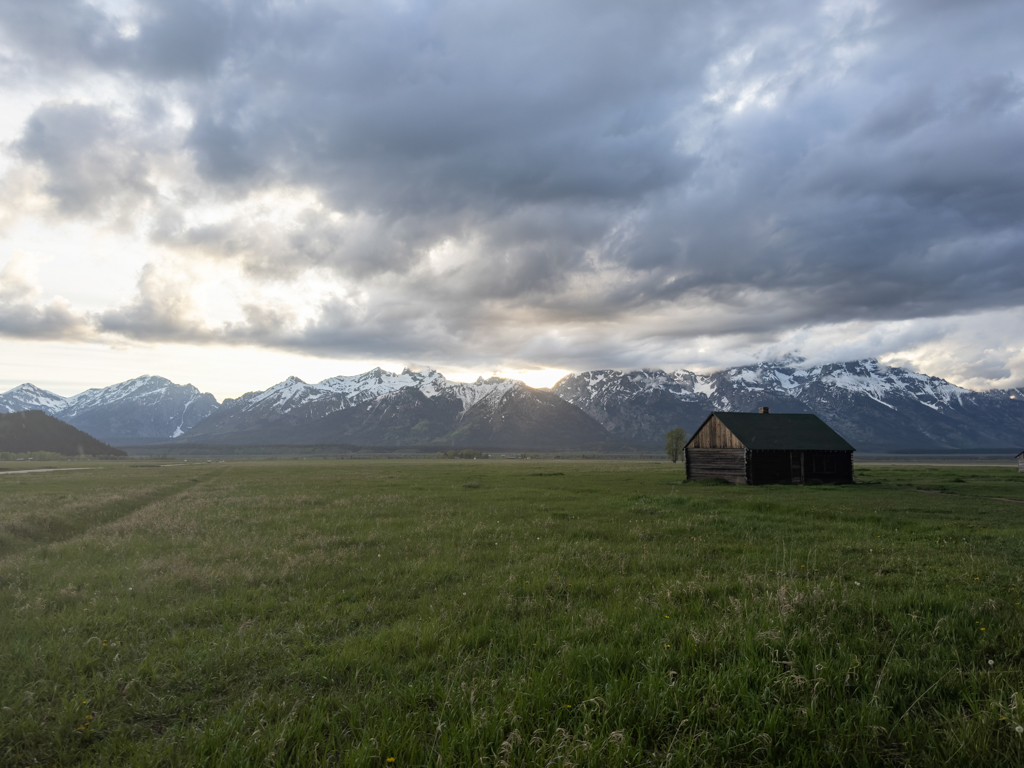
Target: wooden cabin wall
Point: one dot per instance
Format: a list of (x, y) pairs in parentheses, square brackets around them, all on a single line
[(715, 435), (848, 459), (726, 463), (768, 467), (1020, 464), (828, 466)]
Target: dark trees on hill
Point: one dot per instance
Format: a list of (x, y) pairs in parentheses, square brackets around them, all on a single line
[(31, 431)]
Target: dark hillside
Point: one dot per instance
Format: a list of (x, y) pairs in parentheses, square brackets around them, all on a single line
[(517, 417), (29, 431), (529, 419)]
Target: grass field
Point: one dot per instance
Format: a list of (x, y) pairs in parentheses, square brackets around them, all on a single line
[(422, 613)]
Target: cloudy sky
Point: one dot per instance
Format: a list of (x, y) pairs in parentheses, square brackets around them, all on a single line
[(226, 192)]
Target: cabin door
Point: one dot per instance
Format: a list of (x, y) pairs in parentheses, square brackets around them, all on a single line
[(796, 467)]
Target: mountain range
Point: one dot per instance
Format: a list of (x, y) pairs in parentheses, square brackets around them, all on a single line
[(875, 407), (144, 408), (408, 408)]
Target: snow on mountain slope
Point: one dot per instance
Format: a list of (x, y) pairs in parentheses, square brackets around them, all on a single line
[(378, 382), (154, 407), (513, 415), (366, 386), (872, 405), (142, 408), (487, 397), (869, 403), (884, 384), (142, 389), (471, 393), (866, 377), (29, 397), (339, 392), (425, 410), (612, 384), (291, 394), (336, 392), (294, 404), (635, 406)]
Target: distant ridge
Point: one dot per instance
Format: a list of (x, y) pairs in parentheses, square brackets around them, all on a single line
[(407, 409), (31, 431), (140, 408), (874, 406)]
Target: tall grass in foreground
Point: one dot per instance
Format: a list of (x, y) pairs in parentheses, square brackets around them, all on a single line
[(508, 613)]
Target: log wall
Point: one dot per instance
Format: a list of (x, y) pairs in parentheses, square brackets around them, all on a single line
[(767, 467), (829, 466), (725, 463)]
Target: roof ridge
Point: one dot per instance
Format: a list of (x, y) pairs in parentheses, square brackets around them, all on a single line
[(781, 431)]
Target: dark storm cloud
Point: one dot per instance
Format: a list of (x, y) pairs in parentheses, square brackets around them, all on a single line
[(789, 163), (359, 247), (451, 108), (181, 38), (91, 161)]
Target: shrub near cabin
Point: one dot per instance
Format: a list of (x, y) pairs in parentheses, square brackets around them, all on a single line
[(761, 448)]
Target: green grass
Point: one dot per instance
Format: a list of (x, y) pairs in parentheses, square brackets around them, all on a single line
[(508, 613)]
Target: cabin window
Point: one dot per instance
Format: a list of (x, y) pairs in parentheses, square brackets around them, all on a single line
[(824, 463)]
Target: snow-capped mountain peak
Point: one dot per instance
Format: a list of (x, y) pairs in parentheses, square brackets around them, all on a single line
[(377, 382), (293, 403), (882, 383), (285, 395), (147, 387), (481, 389), (143, 407), (865, 400), (614, 384), (870, 403), (29, 397)]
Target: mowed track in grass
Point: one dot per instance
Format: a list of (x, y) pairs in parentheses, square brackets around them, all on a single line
[(508, 613)]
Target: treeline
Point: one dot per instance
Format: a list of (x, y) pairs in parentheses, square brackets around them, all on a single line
[(469, 453), (50, 456), (32, 456)]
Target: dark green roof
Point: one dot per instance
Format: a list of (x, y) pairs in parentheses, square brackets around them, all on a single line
[(783, 432)]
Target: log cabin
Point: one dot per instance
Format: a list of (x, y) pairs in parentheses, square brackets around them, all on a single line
[(1020, 461), (761, 448)]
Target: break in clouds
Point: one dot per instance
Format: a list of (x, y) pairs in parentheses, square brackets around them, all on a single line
[(571, 184)]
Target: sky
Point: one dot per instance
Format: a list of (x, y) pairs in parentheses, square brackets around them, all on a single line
[(229, 192)]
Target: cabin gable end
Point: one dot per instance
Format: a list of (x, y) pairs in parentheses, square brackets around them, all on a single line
[(713, 434)]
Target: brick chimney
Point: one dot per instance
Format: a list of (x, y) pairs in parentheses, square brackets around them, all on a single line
[(762, 409)]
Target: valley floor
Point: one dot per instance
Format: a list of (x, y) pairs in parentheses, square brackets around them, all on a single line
[(426, 612)]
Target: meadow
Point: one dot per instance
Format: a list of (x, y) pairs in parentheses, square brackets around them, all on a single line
[(500, 613)]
